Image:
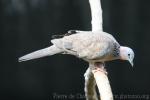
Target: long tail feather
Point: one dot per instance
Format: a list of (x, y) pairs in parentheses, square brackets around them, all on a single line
[(40, 53)]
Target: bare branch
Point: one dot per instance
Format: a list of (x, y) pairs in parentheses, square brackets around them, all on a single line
[(102, 81), (90, 92), (97, 69), (96, 13)]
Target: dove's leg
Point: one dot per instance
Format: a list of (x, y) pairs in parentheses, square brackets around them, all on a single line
[(100, 67), (41, 53)]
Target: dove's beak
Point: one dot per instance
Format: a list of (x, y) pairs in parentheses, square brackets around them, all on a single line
[(131, 62)]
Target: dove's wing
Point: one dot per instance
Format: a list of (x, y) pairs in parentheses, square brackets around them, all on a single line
[(95, 46), (87, 45)]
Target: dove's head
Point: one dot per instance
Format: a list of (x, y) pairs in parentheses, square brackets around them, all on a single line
[(127, 53)]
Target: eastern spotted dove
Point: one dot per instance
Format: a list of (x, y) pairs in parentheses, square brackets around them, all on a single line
[(87, 45)]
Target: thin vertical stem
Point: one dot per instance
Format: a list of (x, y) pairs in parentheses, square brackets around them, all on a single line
[(90, 92), (96, 13)]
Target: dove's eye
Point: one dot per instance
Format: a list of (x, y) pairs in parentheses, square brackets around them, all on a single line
[(129, 55)]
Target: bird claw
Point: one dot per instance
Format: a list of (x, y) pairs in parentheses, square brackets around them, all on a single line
[(98, 66)]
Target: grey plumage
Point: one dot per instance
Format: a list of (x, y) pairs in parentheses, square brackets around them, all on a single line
[(97, 46), (90, 46), (41, 53)]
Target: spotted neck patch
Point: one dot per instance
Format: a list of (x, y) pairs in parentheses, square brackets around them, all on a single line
[(116, 50)]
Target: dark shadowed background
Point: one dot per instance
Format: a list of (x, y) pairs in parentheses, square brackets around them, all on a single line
[(27, 25)]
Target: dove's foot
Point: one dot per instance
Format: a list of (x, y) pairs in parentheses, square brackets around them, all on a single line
[(99, 66)]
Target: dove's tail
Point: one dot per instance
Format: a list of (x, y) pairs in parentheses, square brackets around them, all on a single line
[(41, 53)]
